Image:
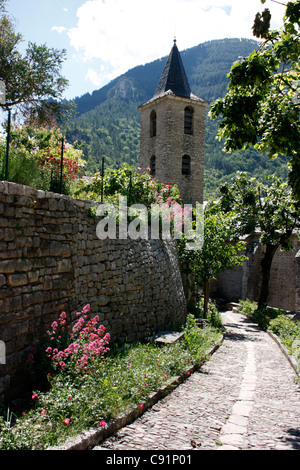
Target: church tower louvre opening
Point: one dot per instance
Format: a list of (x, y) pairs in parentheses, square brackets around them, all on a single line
[(173, 132)]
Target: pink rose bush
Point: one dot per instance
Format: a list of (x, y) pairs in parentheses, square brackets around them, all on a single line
[(76, 347)]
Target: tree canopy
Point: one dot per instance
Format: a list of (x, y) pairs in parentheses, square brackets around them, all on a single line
[(221, 250), (265, 208), (33, 81), (261, 107)]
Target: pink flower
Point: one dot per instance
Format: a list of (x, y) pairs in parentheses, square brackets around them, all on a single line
[(43, 412), (102, 423), (66, 421), (86, 309), (34, 396), (49, 350), (30, 358), (141, 406)]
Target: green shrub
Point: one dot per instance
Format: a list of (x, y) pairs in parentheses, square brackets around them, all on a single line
[(196, 338), (261, 316), (247, 306), (278, 322), (213, 315), (289, 333)]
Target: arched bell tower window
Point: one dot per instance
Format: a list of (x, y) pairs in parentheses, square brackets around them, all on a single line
[(152, 165), (186, 165), (153, 124), (188, 120)]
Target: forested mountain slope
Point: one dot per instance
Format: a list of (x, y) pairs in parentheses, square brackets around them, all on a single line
[(108, 120)]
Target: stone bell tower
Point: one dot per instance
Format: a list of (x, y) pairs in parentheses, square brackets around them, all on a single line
[(173, 132)]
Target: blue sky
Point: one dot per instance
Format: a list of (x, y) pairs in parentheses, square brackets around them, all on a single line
[(105, 38)]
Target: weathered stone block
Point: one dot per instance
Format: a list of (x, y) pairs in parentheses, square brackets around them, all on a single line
[(13, 303), (34, 298), (2, 280), (7, 266), (14, 280), (103, 300), (9, 235)]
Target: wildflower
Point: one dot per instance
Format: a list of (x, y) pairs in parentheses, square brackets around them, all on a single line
[(49, 351), (43, 412), (102, 423), (66, 421), (141, 406), (34, 396), (86, 309), (30, 359)]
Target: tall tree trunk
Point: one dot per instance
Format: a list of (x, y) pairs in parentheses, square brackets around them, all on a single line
[(266, 264)]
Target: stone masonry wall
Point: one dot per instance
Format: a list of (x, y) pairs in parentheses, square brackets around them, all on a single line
[(51, 260), (243, 282)]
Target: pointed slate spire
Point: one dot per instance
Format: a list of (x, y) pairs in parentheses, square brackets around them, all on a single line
[(173, 78)]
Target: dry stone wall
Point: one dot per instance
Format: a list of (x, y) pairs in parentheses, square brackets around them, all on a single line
[(244, 281), (51, 260)]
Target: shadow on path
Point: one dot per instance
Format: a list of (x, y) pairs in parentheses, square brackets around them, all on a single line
[(294, 440), (238, 331)]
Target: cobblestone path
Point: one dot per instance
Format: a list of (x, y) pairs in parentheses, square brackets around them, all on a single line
[(244, 397)]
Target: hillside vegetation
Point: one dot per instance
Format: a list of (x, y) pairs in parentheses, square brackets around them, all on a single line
[(108, 120)]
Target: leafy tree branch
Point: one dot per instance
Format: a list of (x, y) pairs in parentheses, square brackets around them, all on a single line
[(261, 107), (265, 208), (33, 81)]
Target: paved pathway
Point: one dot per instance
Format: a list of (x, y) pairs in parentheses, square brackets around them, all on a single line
[(245, 397)]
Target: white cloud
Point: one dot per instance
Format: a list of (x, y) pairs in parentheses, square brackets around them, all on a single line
[(121, 34), (94, 77), (58, 29)]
